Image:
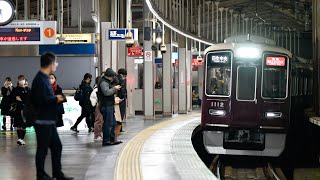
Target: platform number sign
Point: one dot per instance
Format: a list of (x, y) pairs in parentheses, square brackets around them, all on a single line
[(49, 32)]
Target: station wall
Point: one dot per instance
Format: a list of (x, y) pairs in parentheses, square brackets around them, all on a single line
[(69, 72)]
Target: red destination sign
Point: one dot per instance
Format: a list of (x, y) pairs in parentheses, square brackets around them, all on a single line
[(195, 62), (135, 52), (276, 61)]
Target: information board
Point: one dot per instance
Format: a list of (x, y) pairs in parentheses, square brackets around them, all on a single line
[(28, 33)]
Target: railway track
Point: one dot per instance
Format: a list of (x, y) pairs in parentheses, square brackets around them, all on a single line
[(263, 171)]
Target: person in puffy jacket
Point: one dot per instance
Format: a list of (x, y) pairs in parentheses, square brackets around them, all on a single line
[(6, 92), (57, 91), (86, 108)]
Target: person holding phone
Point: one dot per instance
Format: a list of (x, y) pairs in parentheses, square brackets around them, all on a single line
[(45, 104), (106, 102)]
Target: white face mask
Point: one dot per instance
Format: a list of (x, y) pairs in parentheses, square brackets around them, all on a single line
[(22, 82)]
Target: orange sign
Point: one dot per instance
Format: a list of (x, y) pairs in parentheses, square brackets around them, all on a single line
[(49, 32)]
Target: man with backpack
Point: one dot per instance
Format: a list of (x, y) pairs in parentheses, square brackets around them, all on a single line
[(106, 102), (83, 97), (45, 106)]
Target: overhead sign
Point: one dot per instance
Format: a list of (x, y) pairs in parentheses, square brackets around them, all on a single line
[(135, 51), (77, 38), (148, 56), (120, 34), (28, 33), (276, 61), (195, 62), (138, 61)]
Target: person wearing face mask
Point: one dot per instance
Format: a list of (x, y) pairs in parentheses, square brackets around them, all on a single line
[(6, 92), (45, 105), (85, 103), (19, 95), (106, 102), (57, 91)]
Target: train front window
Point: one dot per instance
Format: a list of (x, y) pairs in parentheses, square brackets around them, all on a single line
[(218, 74), (275, 77)]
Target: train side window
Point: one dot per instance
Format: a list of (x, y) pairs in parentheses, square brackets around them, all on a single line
[(275, 77), (218, 74)]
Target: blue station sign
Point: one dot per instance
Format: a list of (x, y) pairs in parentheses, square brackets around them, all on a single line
[(119, 34)]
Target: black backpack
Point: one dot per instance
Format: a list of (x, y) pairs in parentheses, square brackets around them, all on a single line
[(28, 112), (78, 96)]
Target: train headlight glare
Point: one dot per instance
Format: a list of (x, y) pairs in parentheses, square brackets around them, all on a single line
[(248, 52), (215, 112), (271, 115)]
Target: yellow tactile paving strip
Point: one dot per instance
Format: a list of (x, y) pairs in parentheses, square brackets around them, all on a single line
[(128, 162)]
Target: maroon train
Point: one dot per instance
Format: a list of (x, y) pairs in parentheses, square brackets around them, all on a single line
[(246, 99)]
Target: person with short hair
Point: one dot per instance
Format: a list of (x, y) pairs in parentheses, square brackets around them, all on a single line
[(97, 114), (6, 92), (122, 94), (86, 108), (46, 105), (19, 95), (106, 102)]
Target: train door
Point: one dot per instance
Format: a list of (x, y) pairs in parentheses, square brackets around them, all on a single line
[(245, 108)]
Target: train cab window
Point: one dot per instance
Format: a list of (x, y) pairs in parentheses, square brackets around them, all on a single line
[(218, 73), (275, 77), (246, 83)]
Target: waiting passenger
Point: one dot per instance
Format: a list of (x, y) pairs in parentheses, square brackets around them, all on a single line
[(57, 91), (122, 93), (45, 104), (6, 92), (106, 102), (117, 112), (86, 108), (98, 118), (19, 95)]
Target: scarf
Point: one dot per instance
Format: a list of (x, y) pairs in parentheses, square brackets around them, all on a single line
[(54, 87)]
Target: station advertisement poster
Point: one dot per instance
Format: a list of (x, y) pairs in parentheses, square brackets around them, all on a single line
[(72, 112)]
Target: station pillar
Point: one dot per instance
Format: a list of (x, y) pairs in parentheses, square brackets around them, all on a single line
[(148, 70), (316, 53), (182, 95), (188, 75), (167, 75)]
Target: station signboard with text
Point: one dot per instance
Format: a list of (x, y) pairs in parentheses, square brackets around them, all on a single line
[(28, 33)]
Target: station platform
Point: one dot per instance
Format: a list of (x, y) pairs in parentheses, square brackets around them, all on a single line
[(158, 149)]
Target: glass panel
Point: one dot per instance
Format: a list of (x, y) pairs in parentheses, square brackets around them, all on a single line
[(246, 85), (218, 80), (275, 80)]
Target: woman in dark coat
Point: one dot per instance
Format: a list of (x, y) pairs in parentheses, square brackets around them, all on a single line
[(57, 91), (19, 95), (6, 92)]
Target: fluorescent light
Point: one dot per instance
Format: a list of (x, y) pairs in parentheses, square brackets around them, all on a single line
[(273, 115), (248, 52), (174, 28), (215, 112)]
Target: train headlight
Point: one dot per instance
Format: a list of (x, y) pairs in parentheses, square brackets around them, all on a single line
[(216, 112), (248, 52), (272, 115)]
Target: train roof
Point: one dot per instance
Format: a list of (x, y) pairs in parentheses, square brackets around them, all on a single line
[(234, 46)]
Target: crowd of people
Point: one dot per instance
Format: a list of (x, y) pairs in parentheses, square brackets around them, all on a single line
[(103, 107)]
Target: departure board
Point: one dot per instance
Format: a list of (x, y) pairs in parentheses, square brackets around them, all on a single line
[(12, 34)]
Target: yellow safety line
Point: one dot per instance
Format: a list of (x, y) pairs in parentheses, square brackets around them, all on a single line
[(128, 161)]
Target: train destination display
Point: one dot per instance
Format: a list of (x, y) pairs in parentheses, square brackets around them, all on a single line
[(28, 33), (275, 61), (19, 34)]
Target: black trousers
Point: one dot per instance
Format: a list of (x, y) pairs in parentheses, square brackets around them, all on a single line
[(47, 137), (123, 107), (85, 113)]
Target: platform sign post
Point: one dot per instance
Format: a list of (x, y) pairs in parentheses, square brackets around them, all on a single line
[(120, 34), (28, 33)]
